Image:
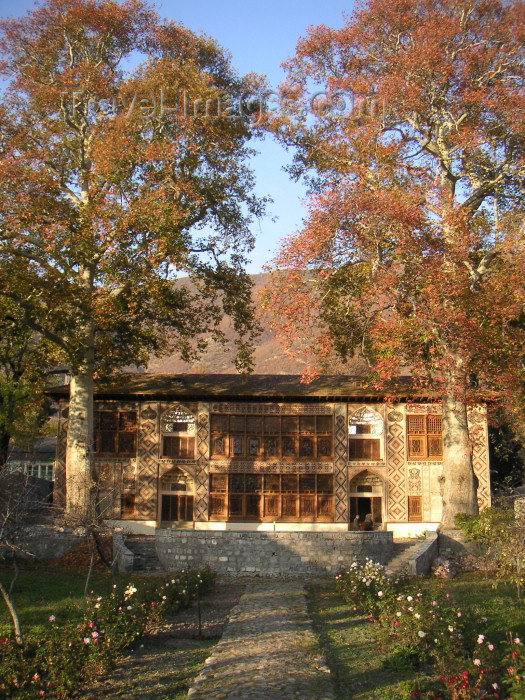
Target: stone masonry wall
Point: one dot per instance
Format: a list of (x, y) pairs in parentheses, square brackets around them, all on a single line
[(270, 553)]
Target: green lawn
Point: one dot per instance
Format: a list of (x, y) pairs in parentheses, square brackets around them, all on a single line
[(358, 663), (42, 590)]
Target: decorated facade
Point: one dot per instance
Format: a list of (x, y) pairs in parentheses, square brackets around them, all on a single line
[(268, 452)]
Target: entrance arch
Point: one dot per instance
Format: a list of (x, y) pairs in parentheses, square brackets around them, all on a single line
[(367, 496)]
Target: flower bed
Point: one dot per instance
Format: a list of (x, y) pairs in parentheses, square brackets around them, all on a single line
[(70, 654), (424, 630)]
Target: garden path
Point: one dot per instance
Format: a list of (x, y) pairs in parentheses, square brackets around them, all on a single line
[(267, 650)]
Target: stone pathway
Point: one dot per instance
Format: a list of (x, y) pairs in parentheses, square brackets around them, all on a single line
[(268, 650)]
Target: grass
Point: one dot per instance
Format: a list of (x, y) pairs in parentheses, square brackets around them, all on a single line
[(160, 673), (362, 670), (351, 651), (148, 671), (42, 590)]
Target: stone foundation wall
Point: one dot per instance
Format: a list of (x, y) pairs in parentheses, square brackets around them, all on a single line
[(270, 553), (45, 542)]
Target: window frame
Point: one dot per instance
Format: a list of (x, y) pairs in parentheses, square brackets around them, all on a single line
[(368, 431), (297, 437), (289, 497), (425, 436), (119, 433)]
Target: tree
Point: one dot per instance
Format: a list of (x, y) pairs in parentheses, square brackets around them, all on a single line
[(412, 254), (115, 182), (24, 359)]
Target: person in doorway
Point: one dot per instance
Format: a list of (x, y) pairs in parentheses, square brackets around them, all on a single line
[(356, 523), (369, 522)]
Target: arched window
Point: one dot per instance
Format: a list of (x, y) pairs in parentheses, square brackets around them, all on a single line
[(365, 435), (178, 433)]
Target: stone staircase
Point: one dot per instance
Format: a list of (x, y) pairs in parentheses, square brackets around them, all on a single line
[(144, 555), (403, 549)]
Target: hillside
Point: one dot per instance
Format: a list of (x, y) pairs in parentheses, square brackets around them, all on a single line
[(218, 359), (268, 357)]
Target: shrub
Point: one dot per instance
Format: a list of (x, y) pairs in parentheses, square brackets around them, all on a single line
[(70, 654), (367, 587)]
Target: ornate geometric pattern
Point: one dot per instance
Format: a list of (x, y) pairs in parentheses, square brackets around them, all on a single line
[(414, 481), (270, 468), (424, 408), (272, 408), (395, 416), (367, 416), (201, 493), (59, 490), (147, 464), (480, 454), (340, 465), (367, 463), (396, 460)]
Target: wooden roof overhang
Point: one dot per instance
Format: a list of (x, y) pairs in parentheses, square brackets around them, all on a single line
[(254, 388)]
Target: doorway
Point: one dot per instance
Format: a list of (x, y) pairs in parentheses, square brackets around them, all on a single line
[(362, 505)]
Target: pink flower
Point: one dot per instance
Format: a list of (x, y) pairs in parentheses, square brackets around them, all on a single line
[(481, 638), (491, 647), (94, 635), (52, 618), (459, 614), (87, 640), (516, 640)]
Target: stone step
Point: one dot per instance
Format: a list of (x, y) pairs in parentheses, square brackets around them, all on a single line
[(402, 552), (144, 554)]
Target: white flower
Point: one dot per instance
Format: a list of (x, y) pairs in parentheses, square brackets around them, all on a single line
[(476, 662), (409, 598), (52, 618), (379, 594), (481, 638), (130, 607), (516, 640), (398, 614), (421, 634), (450, 628), (417, 616)]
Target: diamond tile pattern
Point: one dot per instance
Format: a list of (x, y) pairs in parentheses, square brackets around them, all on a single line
[(201, 497), (340, 465), (397, 497), (147, 463)]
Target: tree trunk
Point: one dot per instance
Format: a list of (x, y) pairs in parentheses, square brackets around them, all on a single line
[(5, 439), (458, 481), (79, 449)]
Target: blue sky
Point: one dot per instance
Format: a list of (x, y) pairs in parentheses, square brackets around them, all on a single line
[(259, 35)]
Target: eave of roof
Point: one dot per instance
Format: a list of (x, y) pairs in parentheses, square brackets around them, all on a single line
[(256, 387)]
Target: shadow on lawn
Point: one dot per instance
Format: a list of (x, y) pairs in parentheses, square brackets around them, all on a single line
[(355, 662)]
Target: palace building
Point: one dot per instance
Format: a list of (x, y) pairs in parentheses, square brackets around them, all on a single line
[(267, 452)]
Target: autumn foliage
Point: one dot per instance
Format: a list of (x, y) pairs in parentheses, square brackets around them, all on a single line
[(409, 124), (116, 179)]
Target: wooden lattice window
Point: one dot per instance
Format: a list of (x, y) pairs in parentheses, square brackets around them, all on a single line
[(299, 497), (116, 433), (365, 435), (415, 513), (424, 436), (271, 437), (178, 434)]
